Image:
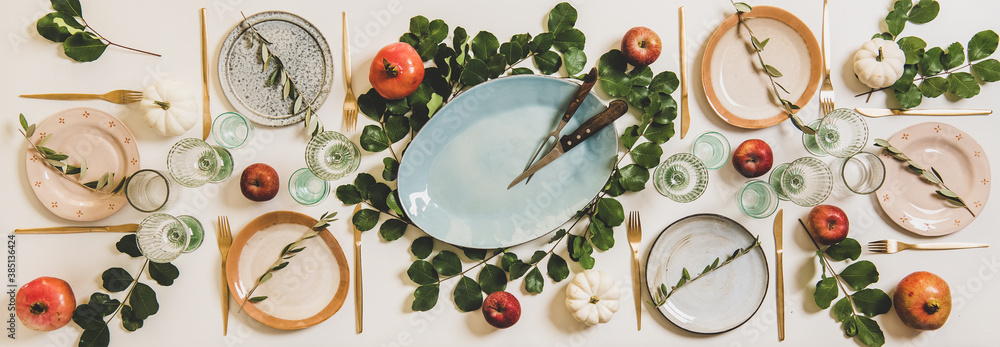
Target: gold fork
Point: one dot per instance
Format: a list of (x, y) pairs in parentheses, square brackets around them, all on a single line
[(826, 91), (893, 246), (350, 102), (634, 231), (120, 96), (225, 241)]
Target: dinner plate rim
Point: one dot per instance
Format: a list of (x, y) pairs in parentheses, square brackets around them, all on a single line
[(785, 17), (560, 108), (650, 289), (265, 221), (235, 101)]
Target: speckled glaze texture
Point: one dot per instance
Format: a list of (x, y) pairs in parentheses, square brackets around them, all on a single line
[(304, 53)]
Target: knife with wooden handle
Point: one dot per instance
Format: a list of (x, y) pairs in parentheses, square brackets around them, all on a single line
[(124, 228), (882, 112)]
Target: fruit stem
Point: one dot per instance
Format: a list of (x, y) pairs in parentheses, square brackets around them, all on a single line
[(932, 306), (390, 69), (163, 104), (38, 308), (879, 57), (594, 299)]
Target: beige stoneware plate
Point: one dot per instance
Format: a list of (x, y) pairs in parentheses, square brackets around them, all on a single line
[(100, 138), (911, 202), (306, 292), (738, 90)]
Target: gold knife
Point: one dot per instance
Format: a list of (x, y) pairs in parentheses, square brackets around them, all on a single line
[(882, 112), (780, 283), (358, 303), (206, 111), (685, 113), (124, 228)]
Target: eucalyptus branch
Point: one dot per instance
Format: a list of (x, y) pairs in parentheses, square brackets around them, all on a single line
[(821, 253), (945, 72), (280, 78), (290, 251), (129, 294), (663, 294), (86, 25), (771, 72), (931, 175), (59, 162)]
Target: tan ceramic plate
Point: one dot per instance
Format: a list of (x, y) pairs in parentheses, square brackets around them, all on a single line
[(98, 137), (738, 90), (306, 292), (911, 201)]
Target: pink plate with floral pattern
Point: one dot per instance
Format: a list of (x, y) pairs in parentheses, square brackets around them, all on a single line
[(911, 202), (98, 137)]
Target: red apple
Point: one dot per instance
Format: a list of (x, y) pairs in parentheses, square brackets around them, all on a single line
[(922, 301), (828, 224), (753, 158), (45, 304), (501, 309), (641, 46), (259, 182)]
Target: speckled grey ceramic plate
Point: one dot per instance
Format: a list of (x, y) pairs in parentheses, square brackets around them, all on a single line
[(301, 48), (725, 298)]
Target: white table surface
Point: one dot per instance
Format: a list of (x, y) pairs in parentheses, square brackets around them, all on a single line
[(190, 309)]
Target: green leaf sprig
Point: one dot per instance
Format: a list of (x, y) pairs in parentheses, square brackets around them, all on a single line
[(279, 77), (138, 304), (771, 71), (466, 61), (60, 162), (79, 40), (662, 294), (939, 69), (854, 311), (930, 175), (288, 252)]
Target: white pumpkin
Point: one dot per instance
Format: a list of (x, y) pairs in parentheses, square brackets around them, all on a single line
[(592, 297), (169, 108), (879, 63)]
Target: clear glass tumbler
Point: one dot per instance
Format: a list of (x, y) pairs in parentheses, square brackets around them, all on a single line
[(331, 155), (842, 133), (712, 148), (232, 130), (757, 199), (162, 237), (682, 177), (193, 162), (148, 190), (807, 181), (306, 188), (863, 173)]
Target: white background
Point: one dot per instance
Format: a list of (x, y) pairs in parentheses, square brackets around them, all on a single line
[(190, 310)]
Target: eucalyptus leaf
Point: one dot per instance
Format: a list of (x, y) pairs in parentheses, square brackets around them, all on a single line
[(548, 62), (534, 282), (537, 256), (422, 272), (143, 301), (647, 154), (869, 332), (364, 181), (541, 43), (396, 127), (601, 235), (931, 64), (987, 70), (563, 16), (484, 45), (924, 11), (659, 133), (57, 26), (425, 297), (910, 97), (742, 7), (116, 279), (373, 139), (847, 249), (569, 38), (913, 47), (129, 321), (437, 31), (103, 303), (872, 302), (100, 337), (372, 105), (963, 84), (88, 317), (128, 245), (492, 279), (68, 7), (665, 82), (843, 310), (447, 263), (163, 273), (860, 274), (84, 46), (392, 229), (475, 72), (419, 26), (557, 268), (511, 51), (365, 219), (826, 291), (521, 71), (935, 86), (518, 269), (468, 295), (610, 211), (422, 247), (895, 21), (634, 177), (983, 44), (348, 194), (474, 253), (771, 70), (575, 60), (508, 259), (954, 57)]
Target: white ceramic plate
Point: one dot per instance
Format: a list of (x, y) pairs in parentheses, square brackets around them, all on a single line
[(306, 292), (100, 138), (453, 178), (301, 48), (911, 201), (738, 90), (723, 299)]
